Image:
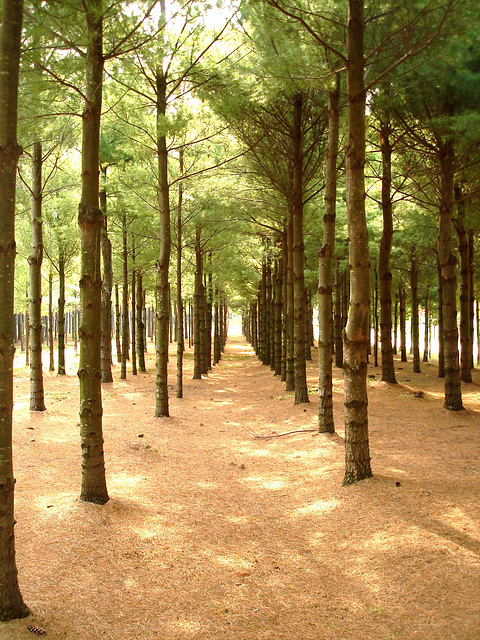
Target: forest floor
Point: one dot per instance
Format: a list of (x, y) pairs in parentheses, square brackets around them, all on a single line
[(213, 533)]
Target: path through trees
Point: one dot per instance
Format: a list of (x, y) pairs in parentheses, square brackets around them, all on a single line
[(212, 533)]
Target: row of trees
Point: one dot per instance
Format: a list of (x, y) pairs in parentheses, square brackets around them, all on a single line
[(211, 138)]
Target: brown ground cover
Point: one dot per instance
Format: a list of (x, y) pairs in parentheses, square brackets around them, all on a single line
[(213, 533)]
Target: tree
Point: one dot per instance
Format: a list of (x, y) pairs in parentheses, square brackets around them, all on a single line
[(11, 601)]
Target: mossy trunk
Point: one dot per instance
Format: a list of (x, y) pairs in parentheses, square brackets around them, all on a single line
[(357, 453), (35, 259), (90, 221)]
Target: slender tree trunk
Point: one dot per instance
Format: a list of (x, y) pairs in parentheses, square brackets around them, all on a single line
[(441, 341), (90, 220), (197, 324), (298, 252), (403, 312), (117, 325), (338, 316), (216, 332), (395, 327), (453, 392), (477, 317), (34, 325), (385, 275), (27, 340), (140, 325), (61, 315), (50, 323), (180, 326), (415, 322), (11, 602), (463, 250), (325, 260), (134, 313), (278, 275), (107, 285), (427, 324), (471, 272), (357, 453), (125, 323)]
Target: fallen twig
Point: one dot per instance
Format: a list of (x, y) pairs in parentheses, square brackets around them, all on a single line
[(279, 435)]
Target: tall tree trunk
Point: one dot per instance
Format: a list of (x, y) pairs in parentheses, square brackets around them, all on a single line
[(11, 602), (471, 271), (441, 341), (140, 325), (90, 220), (278, 275), (415, 322), (463, 250), (27, 341), (34, 325), (427, 324), (388, 369), (216, 331), (403, 312), (134, 312), (357, 453), (453, 391), (338, 323), (325, 260), (51, 366), (163, 262), (298, 251), (395, 326), (107, 285), (117, 325), (125, 323), (197, 309), (180, 326), (61, 314), (375, 318)]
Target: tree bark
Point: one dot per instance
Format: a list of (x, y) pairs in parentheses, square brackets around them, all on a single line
[(415, 322), (453, 392), (107, 285), (180, 326), (61, 315), (357, 454), (34, 325), (90, 220), (385, 275), (463, 250), (51, 366), (325, 261), (134, 313), (197, 309), (298, 253), (427, 325), (403, 312), (338, 323), (11, 602), (441, 342), (140, 325), (125, 322)]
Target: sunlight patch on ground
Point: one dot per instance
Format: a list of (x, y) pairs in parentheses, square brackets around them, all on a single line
[(272, 485), (315, 508), (125, 480), (207, 485), (237, 519)]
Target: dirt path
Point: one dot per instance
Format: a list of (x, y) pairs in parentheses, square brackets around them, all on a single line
[(212, 533)]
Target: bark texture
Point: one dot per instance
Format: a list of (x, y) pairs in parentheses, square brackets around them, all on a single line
[(11, 601), (357, 454), (90, 220)]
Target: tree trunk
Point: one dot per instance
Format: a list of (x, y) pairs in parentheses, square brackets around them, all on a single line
[(134, 313), (338, 323), (90, 220), (34, 325), (61, 315), (50, 323), (441, 342), (357, 454), (385, 275), (107, 285), (427, 324), (453, 392), (11, 602), (125, 323), (278, 275), (197, 323), (163, 262), (325, 261), (415, 327), (117, 325), (403, 312), (463, 250), (140, 325), (375, 318), (180, 327), (298, 252)]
